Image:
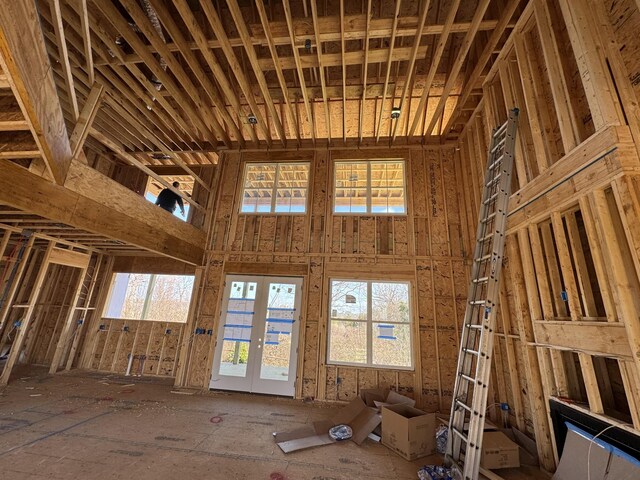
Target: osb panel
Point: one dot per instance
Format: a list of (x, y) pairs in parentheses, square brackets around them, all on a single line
[(144, 339), (365, 243), (346, 383)]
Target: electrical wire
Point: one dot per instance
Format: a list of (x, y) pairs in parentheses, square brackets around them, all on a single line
[(591, 442)]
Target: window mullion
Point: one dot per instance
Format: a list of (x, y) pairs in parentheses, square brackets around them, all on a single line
[(369, 326), (275, 188), (368, 187), (147, 298)]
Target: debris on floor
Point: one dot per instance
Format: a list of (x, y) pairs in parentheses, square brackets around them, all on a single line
[(361, 419), (435, 472)]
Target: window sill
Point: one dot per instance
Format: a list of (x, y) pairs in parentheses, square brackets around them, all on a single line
[(370, 367)]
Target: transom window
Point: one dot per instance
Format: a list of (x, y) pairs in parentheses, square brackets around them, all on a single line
[(141, 296), (370, 324), (275, 188), (370, 187)]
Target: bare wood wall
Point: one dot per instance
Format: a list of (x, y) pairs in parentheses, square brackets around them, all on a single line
[(569, 305), (425, 246), (150, 346)]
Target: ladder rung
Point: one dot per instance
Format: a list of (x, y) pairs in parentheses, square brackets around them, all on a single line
[(498, 144), (464, 405), (474, 326), (480, 280), (493, 180), (491, 198), (484, 258), (472, 352), (496, 162), (486, 237), (477, 302), (468, 378), (489, 217), (500, 129), (460, 434)]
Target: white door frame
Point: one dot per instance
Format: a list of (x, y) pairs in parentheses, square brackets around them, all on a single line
[(252, 382)]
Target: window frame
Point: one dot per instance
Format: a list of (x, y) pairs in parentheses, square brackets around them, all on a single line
[(275, 187), (369, 322), (147, 297), (369, 197)]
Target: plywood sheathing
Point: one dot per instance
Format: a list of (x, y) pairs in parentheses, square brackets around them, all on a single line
[(425, 247)]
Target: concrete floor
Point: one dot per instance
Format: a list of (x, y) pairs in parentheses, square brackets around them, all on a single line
[(89, 426)]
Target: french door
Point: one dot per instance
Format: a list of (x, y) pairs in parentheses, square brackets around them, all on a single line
[(257, 342)]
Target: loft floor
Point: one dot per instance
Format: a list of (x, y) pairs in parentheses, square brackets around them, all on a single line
[(87, 425)]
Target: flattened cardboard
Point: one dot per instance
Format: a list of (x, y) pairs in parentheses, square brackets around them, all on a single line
[(313, 435), (605, 462), (362, 420), (408, 431), (498, 451)]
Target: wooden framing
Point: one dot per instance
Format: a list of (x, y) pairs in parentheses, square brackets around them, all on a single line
[(311, 74), (572, 244), (30, 78)]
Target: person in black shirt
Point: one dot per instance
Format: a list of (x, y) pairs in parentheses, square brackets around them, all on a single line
[(168, 200)]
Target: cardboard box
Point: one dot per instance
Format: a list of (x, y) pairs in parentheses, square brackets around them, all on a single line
[(378, 397), (498, 451), (408, 431), (362, 420)]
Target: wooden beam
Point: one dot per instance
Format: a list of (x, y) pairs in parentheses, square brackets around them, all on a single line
[(86, 37), (296, 54), (70, 258), (330, 31), (561, 97), (376, 55), (163, 148), (436, 56), (365, 67), (594, 71), (293, 125), (316, 29), (92, 202), (202, 114), (410, 65), (392, 42), (344, 75), (480, 64), (56, 15), (218, 73), (85, 120), (570, 287), (608, 339), (236, 13), (29, 73), (216, 25), (205, 79), (457, 65), (11, 117)]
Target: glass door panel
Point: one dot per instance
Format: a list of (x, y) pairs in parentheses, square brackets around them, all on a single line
[(258, 335), (276, 350), (237, 329)]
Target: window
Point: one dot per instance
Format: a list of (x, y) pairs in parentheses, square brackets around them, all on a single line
[(370, 324), (369, 187), (275, 188), (159, 298)]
